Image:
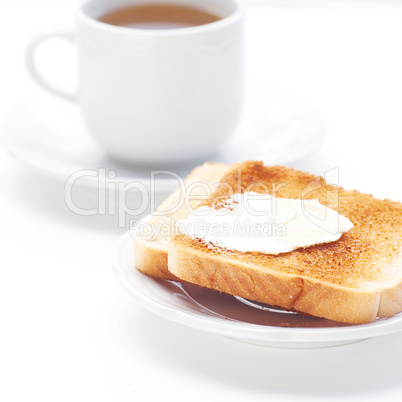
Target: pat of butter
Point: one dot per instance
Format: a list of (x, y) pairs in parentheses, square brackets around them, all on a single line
[(265, 224)]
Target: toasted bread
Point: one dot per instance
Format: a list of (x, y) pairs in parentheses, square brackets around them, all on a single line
[(354, 279), (151, 249)]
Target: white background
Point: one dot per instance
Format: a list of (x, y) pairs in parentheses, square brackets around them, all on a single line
[(68, 332)]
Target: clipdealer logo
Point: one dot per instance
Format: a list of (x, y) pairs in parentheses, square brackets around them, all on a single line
[(113, 195)]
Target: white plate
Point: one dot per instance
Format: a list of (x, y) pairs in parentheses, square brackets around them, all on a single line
[(47, 133), (189, 306)]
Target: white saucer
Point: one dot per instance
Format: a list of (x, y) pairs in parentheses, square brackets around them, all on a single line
[(187, 306), (47, 133)]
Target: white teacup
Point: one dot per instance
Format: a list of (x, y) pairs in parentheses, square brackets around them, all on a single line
[(157, 96)]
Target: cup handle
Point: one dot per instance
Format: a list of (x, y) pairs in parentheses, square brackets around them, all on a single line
[(38, 78)]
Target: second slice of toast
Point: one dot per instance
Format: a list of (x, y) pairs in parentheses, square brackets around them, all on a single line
[(151, 249)]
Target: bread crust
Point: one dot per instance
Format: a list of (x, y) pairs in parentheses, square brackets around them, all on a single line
[(353, 280), (290, 292), (152, 260), (391, 301), (151, 253)]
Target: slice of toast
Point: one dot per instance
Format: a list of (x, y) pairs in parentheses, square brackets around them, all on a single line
[(151, 249), (354, 279)]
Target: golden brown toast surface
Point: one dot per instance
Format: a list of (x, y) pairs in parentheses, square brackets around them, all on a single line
[(357, 257), (353, 279)]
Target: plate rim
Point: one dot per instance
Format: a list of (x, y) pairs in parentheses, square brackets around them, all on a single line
[(233, 328)]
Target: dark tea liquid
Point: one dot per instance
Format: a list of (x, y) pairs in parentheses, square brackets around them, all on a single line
[(159, 16)]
